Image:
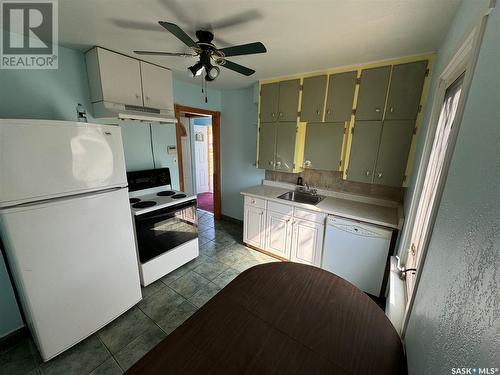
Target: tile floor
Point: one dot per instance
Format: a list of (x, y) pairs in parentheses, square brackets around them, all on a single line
[(165, 305)]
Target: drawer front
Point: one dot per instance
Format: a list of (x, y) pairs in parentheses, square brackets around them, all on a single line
[(280, 207), (255, 202), (317, 217)]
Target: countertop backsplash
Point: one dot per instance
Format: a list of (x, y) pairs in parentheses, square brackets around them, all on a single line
[(332, 180)]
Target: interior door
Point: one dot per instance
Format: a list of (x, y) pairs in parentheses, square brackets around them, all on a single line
[(288, 100), (278, 234), (120, 78), (320, 137), (393, 152), (157, 86), (364, 148), (269, 93), (407, 81), (267, 145), (313, 99), (372, 93), (285, 146), (340, 99), (201, 158)]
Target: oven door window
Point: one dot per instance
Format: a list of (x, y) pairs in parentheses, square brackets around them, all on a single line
[(165, 229)]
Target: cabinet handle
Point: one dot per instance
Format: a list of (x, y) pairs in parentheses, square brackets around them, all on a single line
[(379, 174), (318, 112), (367, 173), (273, 114), (253, 201), (377, 109), (147, 97), (328, 111), (261, 213), (391, 109), (307, 163), (271, 163), (278, 164), (137, 96), (281, 114)]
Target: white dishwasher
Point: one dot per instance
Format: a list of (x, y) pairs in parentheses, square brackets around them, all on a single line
[(356, 252)]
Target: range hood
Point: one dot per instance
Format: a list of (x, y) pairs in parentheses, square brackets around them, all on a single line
[(108, 110)]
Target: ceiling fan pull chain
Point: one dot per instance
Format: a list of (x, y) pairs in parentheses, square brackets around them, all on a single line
[(206, 92)]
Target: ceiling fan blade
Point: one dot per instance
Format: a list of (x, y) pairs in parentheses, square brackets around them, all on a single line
[(159, 53), (244, 49), (238, 68), (179, 33)]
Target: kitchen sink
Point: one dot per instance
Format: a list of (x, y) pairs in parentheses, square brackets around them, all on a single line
[(301, 197)]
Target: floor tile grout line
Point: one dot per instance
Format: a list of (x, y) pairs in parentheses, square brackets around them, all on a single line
[(110, 353)]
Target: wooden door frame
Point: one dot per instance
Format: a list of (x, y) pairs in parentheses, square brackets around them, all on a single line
[(180, 131)]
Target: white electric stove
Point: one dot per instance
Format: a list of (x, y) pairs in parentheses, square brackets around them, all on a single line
[(165, 221)]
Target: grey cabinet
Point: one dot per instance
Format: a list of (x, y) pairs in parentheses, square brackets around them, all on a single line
[(341, 89), (279, 101), (286, 134), (313, 98), (267, 145), (323, 145), (269, 94), (288, 102), (407, 81), (393, 152), (364, 148), (372, 93)]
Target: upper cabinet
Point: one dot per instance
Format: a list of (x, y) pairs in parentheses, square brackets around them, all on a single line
[(155, 81), (120, 79), (341, 89), (407, 81), (372, 93), (323, 147), (113, 77), (313, 98), (279, 101)]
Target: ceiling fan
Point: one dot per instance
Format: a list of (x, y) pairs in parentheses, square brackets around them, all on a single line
[(210, 57)]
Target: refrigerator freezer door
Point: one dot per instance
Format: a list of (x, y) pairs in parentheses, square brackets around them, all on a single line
[(45, 159), (74, 263)]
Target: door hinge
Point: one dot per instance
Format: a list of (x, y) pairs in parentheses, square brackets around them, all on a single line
[(301, 87), (427, 72), (299, 113), (404, 178), (340, 163), (415, 130), (353, 112), (352, 130), (345, 129), (293, 165), (419, 108), (358, 81)]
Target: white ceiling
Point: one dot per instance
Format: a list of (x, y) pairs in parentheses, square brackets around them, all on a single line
[(300, 36)]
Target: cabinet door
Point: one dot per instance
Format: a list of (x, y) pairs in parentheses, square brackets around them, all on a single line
[(267, 145), (393, 152), (254, 226), (372, 93), (157, 87), (364, 148), (341, 89), (407, 81), (313, 99), (323, 146), (285, 146), (278, 234), (269, 94), (120, 78), (288, 100), (307, 242)]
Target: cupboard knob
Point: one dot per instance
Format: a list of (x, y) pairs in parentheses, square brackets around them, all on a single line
[(318, 112), (137, 96), (307, 163), (379, 174), (367, 173), (271, 163), (147, 97), (281, 114), (253, 201), (273, 114), (278, 164), (392, 109), (328, 111), (377, 109)]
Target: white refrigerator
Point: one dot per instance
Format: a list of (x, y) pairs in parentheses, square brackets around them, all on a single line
[(66, 228)]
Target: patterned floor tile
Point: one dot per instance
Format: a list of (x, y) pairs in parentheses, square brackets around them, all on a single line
[(18, 360), (109, 367), (189, 284), (210, 269), (226, 277), (204, 294), (176, 317), (161, 303)]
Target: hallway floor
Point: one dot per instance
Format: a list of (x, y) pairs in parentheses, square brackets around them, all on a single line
[(206, 201)]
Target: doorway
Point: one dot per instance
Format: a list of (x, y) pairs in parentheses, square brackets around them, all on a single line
[(198, 136)]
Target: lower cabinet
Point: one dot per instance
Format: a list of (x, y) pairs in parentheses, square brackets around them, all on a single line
[(294, 234), (307, 242), (254, 226)]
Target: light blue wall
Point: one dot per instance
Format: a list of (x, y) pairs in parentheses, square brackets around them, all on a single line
[(238, 149), (189, 94), (455, 321), (10, 318)]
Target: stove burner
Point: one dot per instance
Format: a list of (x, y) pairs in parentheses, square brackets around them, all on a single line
[(144, 204), (179, 196), (134, 200), (166, 193)]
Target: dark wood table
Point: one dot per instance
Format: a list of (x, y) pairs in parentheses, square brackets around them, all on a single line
[(282, 318)]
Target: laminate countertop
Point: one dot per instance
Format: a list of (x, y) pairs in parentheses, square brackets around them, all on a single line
[(348, 206)]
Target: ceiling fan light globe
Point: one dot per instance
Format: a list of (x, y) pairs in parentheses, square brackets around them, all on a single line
[(196, 69), (212, 73)]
